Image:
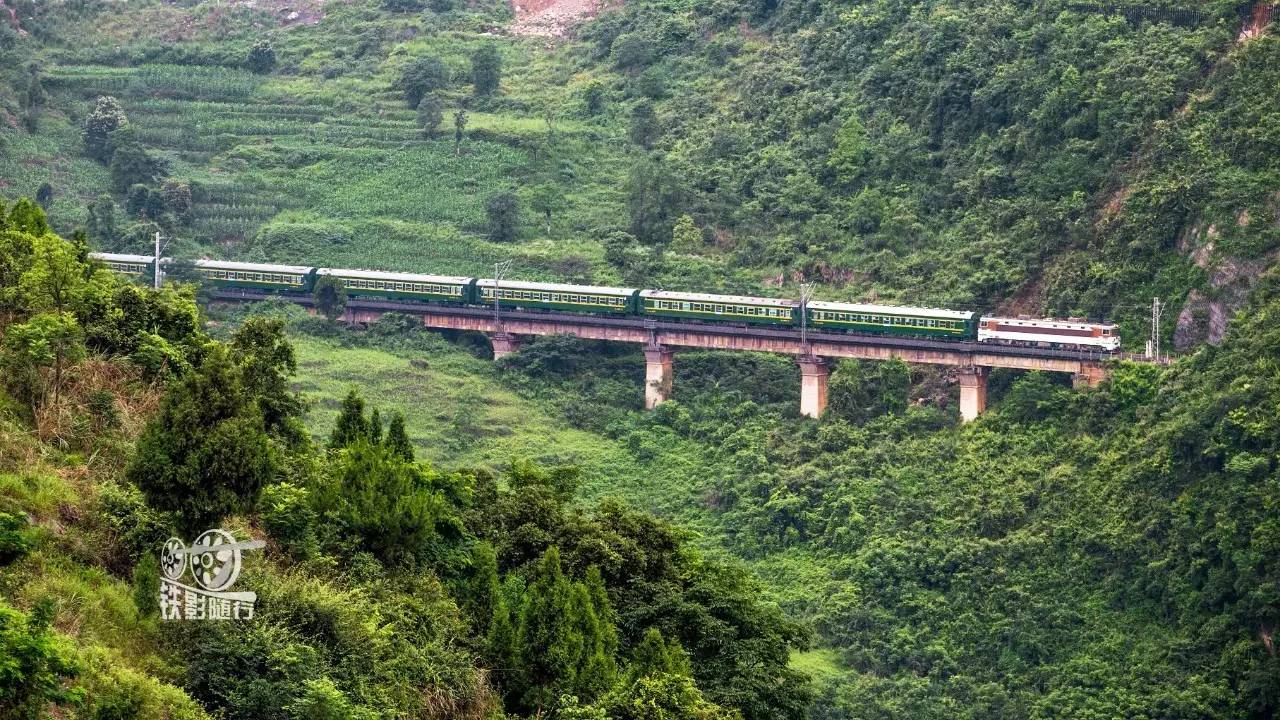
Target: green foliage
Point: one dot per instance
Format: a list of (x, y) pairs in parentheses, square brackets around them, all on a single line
[(266, 362), (397, 441), (486, 69), (16, 538), (261, 59), (330, 296), (560, 646), (35, 354), (106, 117), (859, 392), (644, 128), (392, 508), (132, 164), (503, 211), (289, 517), (423, 78), (206, 454), (430, 114), (352, 426), (36, 664)]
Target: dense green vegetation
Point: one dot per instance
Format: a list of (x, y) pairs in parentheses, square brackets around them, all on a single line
[(391, 588), (452, 537), (1057, 158)]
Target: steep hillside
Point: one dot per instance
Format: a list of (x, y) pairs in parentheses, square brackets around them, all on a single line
[(1063, 158)]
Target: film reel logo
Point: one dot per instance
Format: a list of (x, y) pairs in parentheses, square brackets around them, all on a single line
[(214, 561)]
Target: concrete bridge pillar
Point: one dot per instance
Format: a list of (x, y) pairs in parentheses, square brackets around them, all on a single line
[(1090, 376), (973, 392), (814, 372), (504, 344), (657, 375)]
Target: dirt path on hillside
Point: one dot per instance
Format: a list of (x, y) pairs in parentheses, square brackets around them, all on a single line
[(551, 18)]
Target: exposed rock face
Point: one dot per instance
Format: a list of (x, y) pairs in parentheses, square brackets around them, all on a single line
[(1205, 314)]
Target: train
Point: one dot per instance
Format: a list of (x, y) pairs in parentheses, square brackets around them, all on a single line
[(669, 305)]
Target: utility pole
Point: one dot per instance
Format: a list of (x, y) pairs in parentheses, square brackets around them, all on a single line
[(806, 294), (157, 274), (499, 270), (1153, 343)]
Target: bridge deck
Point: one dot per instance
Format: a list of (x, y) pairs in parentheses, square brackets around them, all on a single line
[(717, 336)]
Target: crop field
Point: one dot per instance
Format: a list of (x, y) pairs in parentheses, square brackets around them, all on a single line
[(294, 168)]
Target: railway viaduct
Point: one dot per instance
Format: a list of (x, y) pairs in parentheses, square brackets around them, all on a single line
[(661, 339)]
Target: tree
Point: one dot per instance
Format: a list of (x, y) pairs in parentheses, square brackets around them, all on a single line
[(55, 278), (422, 77), (503, 211), (685, 236), (546, 199), (261, 59), (48, 341), (394, 509), (593, 98), (483, 588), (644, 129), (101, 222), (206, 453), (330, 296), (44, 195), (266, 360), (430, 114), (459, 128), (27, 217), (565, 637), (849, 155), (375, 427), (486, 69), (397, 441), (653, 199), (352, 425), (861, 391), (37, 664), (177, 199), (132, 165), (106, 117), (143, 203)]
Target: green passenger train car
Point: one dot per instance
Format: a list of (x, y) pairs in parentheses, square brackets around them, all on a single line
[(138, 266), (258, 276), (554, 296), (403, 286), (724, 308), (890, 320)]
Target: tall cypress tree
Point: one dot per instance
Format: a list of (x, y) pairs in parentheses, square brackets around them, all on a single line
[(375, 427), (483, 589), (397, 442), (598, 670), (352, 424), (549, 639)]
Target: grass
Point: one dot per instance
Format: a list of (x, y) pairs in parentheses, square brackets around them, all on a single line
[(459, 412)]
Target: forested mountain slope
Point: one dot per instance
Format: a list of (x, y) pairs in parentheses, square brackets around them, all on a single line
[(1054, 157), (1109, 553)]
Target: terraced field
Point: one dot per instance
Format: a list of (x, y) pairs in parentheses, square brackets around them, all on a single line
[(293, 168)]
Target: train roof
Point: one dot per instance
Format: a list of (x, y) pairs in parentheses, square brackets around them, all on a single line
[(398, 276), (260, 267), (556, 287), (708, 297), (892, 310), (121, 257), (1047, 322)]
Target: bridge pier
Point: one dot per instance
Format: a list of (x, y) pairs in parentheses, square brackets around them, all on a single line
[(814, 372), (657, 375), (973, 392), (1090, 376), (504, 344)]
